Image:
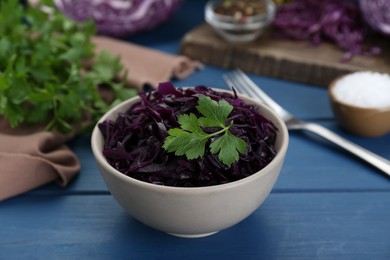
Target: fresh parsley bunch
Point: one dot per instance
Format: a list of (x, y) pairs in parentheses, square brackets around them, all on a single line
[(43, 73)]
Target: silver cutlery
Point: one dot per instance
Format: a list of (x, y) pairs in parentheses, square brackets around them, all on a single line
[(243, 84)]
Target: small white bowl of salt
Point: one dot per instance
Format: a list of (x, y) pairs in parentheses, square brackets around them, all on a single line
[(361, 102)]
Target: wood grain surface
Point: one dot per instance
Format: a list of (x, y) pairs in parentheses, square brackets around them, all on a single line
[(326, 204), (286, 59)]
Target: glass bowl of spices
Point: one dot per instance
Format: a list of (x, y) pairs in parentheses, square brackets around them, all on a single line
[(361, 102), (239, 20)]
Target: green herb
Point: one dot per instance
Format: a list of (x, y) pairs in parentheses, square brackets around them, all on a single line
[(43, 75), (190, 140)]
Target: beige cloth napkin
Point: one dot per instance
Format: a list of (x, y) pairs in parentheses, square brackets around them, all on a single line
[(147, 66), (31, 157)]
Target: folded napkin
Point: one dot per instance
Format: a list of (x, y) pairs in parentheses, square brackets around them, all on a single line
[(31, 157), (146, 66)]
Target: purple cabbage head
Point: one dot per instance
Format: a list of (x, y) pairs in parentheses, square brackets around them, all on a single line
[(120, 17), (133, 142), (377, 14)]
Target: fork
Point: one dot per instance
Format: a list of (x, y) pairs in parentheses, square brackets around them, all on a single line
[(243, 84)]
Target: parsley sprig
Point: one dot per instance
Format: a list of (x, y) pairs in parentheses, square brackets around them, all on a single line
[(191, 140), (43, 75)]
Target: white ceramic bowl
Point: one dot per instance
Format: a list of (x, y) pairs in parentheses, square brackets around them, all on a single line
[(191, 212)]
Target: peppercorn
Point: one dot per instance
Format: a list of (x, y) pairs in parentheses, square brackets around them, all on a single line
[(240, 9)]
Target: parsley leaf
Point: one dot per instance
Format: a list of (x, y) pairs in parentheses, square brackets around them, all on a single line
[(190, 140), (215, 113), (228, 146)]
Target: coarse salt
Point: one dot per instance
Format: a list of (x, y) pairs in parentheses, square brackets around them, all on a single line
[(364, 89)]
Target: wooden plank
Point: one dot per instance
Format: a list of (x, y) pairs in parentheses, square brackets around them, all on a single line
[(306, 166), (287, 226), (303, 100), (313, 164), (292, 60)]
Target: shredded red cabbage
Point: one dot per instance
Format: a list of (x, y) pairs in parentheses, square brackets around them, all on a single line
[(328, 20), (133, 142), (120, 17)]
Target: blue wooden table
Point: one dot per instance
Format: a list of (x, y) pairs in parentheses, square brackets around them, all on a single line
[(326, 204)]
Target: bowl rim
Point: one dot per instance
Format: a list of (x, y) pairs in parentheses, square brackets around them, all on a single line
[(279, 158), (271, 8)]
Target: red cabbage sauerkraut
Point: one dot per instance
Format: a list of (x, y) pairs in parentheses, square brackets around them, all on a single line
[(338, 22), (133, 142)]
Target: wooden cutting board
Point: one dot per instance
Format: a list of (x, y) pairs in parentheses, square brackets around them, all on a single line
[(291, 60)]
